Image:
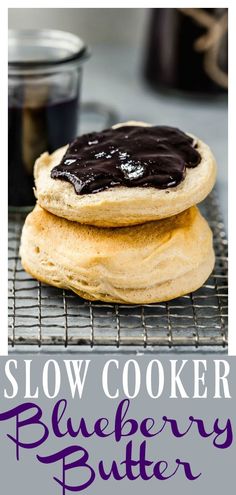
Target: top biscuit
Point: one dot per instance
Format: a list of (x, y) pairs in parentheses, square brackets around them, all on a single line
[(120, 205)]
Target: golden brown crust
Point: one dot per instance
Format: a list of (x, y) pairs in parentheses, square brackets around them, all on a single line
[(121, 206), (148, 263)]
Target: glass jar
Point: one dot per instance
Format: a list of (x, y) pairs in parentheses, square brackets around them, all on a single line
[(44, 78)]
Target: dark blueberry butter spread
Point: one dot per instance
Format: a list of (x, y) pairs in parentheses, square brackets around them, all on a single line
[(130, 156)]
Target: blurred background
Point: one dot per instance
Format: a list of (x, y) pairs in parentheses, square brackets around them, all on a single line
[(162, 66), (113, 26)]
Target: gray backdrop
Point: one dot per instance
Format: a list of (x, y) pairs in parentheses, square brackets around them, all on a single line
[(113, 26)]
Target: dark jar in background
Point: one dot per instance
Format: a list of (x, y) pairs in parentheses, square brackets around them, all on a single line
[(187, 50), (44, 77)]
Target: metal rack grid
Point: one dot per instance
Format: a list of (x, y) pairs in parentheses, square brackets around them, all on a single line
[(43, 317)]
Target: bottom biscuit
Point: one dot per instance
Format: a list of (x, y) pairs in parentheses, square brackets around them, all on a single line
[(153, 262)]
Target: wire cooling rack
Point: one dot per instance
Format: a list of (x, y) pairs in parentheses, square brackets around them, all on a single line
[(45, 317)]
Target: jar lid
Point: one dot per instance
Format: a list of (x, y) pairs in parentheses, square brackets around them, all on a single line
[(43, 49)]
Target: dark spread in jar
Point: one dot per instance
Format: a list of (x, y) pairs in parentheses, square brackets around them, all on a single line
[(130, 156)]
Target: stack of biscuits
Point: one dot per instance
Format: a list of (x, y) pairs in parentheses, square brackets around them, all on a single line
[(124, 243)]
